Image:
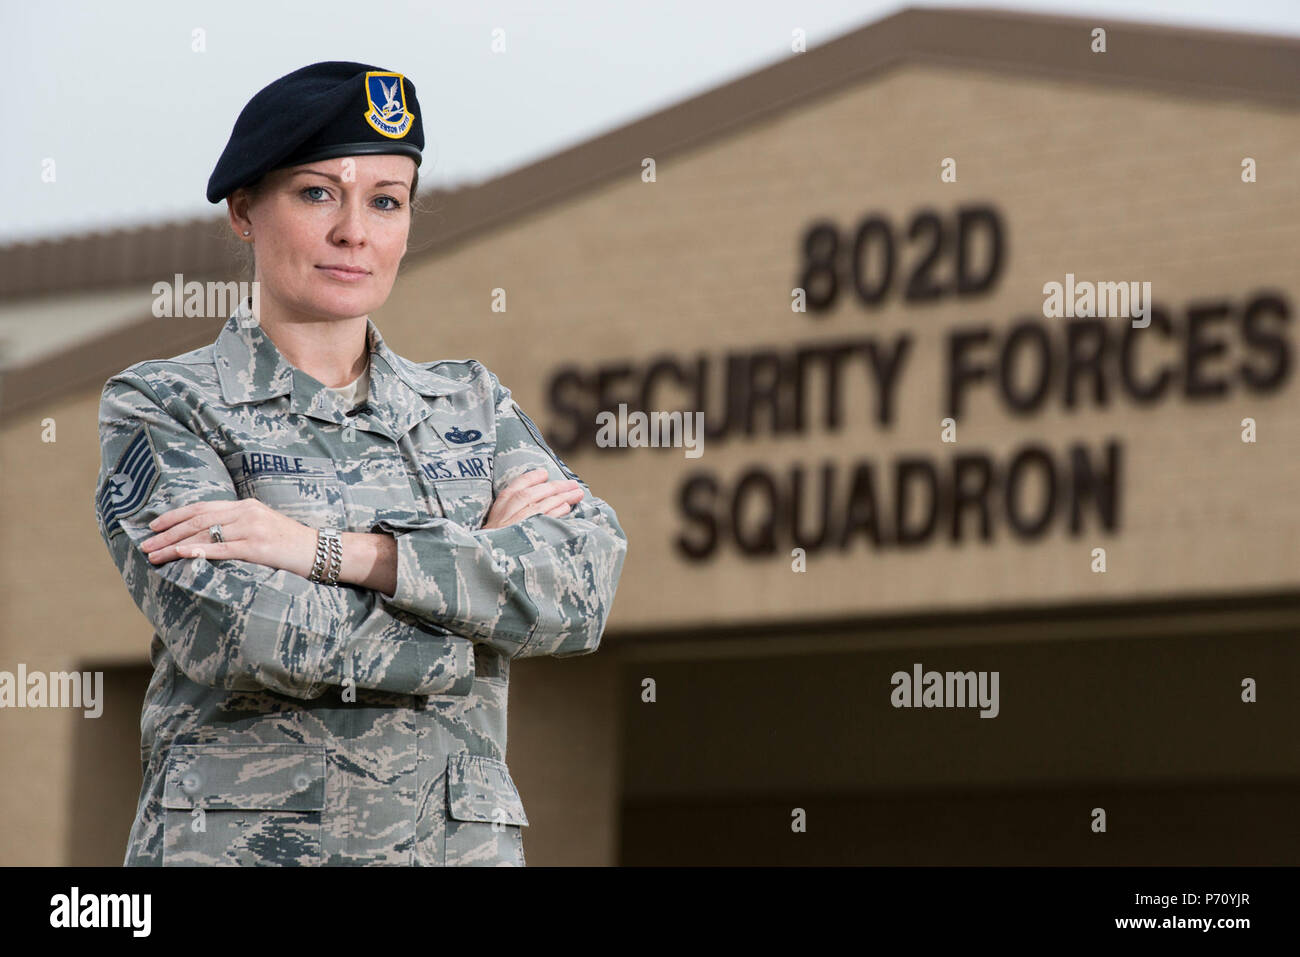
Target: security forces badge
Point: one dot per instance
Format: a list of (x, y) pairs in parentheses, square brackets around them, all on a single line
[(386, 96), (129, 485)]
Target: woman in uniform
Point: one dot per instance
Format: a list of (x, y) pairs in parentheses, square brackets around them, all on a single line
[(340, 550)]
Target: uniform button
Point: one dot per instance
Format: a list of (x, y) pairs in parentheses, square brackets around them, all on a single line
[(301, 782), (190, 783)]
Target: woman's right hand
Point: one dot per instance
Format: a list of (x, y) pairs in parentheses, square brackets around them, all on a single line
[(531, 494)]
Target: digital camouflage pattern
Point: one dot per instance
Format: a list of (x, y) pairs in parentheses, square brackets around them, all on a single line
[(294, 723)]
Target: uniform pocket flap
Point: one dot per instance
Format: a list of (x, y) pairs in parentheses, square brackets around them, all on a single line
[(479, 788), (272, 777), (465, 501)]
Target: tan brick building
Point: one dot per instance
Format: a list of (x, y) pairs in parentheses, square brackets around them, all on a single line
[(1102, 511)]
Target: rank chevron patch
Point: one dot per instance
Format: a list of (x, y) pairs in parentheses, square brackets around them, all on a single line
[(128, 487)]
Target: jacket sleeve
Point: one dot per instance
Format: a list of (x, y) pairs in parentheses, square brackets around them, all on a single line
[(541, 586), (236, 624)]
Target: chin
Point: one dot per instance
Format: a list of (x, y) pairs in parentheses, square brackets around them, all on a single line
[(345, 303)]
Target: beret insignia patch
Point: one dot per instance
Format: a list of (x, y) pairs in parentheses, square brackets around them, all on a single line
[(386, 96)]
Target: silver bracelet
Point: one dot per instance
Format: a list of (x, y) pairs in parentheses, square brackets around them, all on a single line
[(329, 557)]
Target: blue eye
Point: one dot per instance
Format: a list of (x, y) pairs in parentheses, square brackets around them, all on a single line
[(308, 189), (396, 204)]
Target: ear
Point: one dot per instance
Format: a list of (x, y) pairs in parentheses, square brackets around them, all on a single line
[(237, 204)]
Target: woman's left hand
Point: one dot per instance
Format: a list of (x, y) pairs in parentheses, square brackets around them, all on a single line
[(252, 532)]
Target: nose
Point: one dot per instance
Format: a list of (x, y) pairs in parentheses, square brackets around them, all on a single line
[(349, 227)]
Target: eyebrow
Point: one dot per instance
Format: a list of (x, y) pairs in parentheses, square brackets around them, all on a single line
[(382, 182)]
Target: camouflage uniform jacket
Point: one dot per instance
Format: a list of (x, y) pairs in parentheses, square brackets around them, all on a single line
[(288, 722)]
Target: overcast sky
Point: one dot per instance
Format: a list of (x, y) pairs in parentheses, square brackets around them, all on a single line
[(134, 119)]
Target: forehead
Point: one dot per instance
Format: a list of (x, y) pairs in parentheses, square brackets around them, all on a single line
[(365, 168)]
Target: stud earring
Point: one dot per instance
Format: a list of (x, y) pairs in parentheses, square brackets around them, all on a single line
[(245, 232)]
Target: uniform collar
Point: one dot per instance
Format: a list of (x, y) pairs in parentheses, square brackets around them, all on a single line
[(251, 369)]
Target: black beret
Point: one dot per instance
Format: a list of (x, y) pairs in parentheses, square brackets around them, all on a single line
[(325, 110)]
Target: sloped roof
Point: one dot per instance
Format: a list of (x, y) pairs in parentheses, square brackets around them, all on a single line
[(1197, 63)]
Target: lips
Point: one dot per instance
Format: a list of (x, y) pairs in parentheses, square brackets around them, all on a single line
[(344, 273)]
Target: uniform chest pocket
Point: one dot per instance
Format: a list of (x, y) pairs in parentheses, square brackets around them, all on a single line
[(306, 489), (243, 804), (465, 500)]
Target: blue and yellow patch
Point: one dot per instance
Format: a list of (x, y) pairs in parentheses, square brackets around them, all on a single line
[(129, 485), (386, 97)]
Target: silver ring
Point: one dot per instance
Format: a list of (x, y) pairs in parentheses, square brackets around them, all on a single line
[(215, 532)]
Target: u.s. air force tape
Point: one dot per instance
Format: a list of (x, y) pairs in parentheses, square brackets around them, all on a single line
[(528, 423), (130, 483)]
